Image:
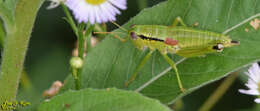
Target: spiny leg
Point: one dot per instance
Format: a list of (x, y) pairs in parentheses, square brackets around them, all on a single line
[(177, 21), (172, 64), (139, 67)]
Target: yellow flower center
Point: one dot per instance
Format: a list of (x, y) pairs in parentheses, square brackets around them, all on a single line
[(95, 2)]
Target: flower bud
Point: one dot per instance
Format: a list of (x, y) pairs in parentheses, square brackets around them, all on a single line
[(76, 62)]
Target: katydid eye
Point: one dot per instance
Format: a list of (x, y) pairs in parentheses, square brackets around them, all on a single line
[(218, 47), (133, 35)]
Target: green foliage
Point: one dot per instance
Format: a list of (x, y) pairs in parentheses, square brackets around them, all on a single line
[(112, 62), (102, 100)]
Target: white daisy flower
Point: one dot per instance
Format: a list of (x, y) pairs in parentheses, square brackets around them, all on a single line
[(96, 11), (253, 82)]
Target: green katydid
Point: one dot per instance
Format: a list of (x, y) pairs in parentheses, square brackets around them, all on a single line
[(181, 40)]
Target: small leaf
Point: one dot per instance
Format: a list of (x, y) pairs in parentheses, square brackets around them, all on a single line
[(102, 100), (112, 62)]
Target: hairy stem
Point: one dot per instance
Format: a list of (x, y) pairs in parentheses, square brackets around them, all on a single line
[(81, 50), (15, 48)]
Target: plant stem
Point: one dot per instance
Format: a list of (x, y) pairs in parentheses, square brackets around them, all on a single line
[(77, 72), (81, 41), (81, 50), (15, 48), (219, 92), (88, 36), (77, 78), (79, 32)]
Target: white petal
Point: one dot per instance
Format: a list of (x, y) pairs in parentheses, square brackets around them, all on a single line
[(251, 81), (92, 16), (109, 15), (253, 76), (85, 12), (252, 86), (256, 71), (101, 14), (105, 16), (249, 92), (98, 19), (118, 4), (257, 100), (110, 9)]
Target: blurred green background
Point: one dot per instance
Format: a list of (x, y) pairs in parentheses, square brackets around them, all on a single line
[(51, 47)]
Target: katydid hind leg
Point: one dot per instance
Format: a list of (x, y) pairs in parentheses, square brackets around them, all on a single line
[(177, 21), (172, 64), (139, 67)]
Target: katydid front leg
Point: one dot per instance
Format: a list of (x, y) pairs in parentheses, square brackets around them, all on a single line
[(139, 67), (172, 64)]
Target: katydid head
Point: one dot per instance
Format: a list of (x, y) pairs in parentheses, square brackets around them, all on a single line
[(228, 42), (224, 42)]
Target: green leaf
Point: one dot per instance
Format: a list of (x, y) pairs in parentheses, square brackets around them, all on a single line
[(102, 100), (112, 62)]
